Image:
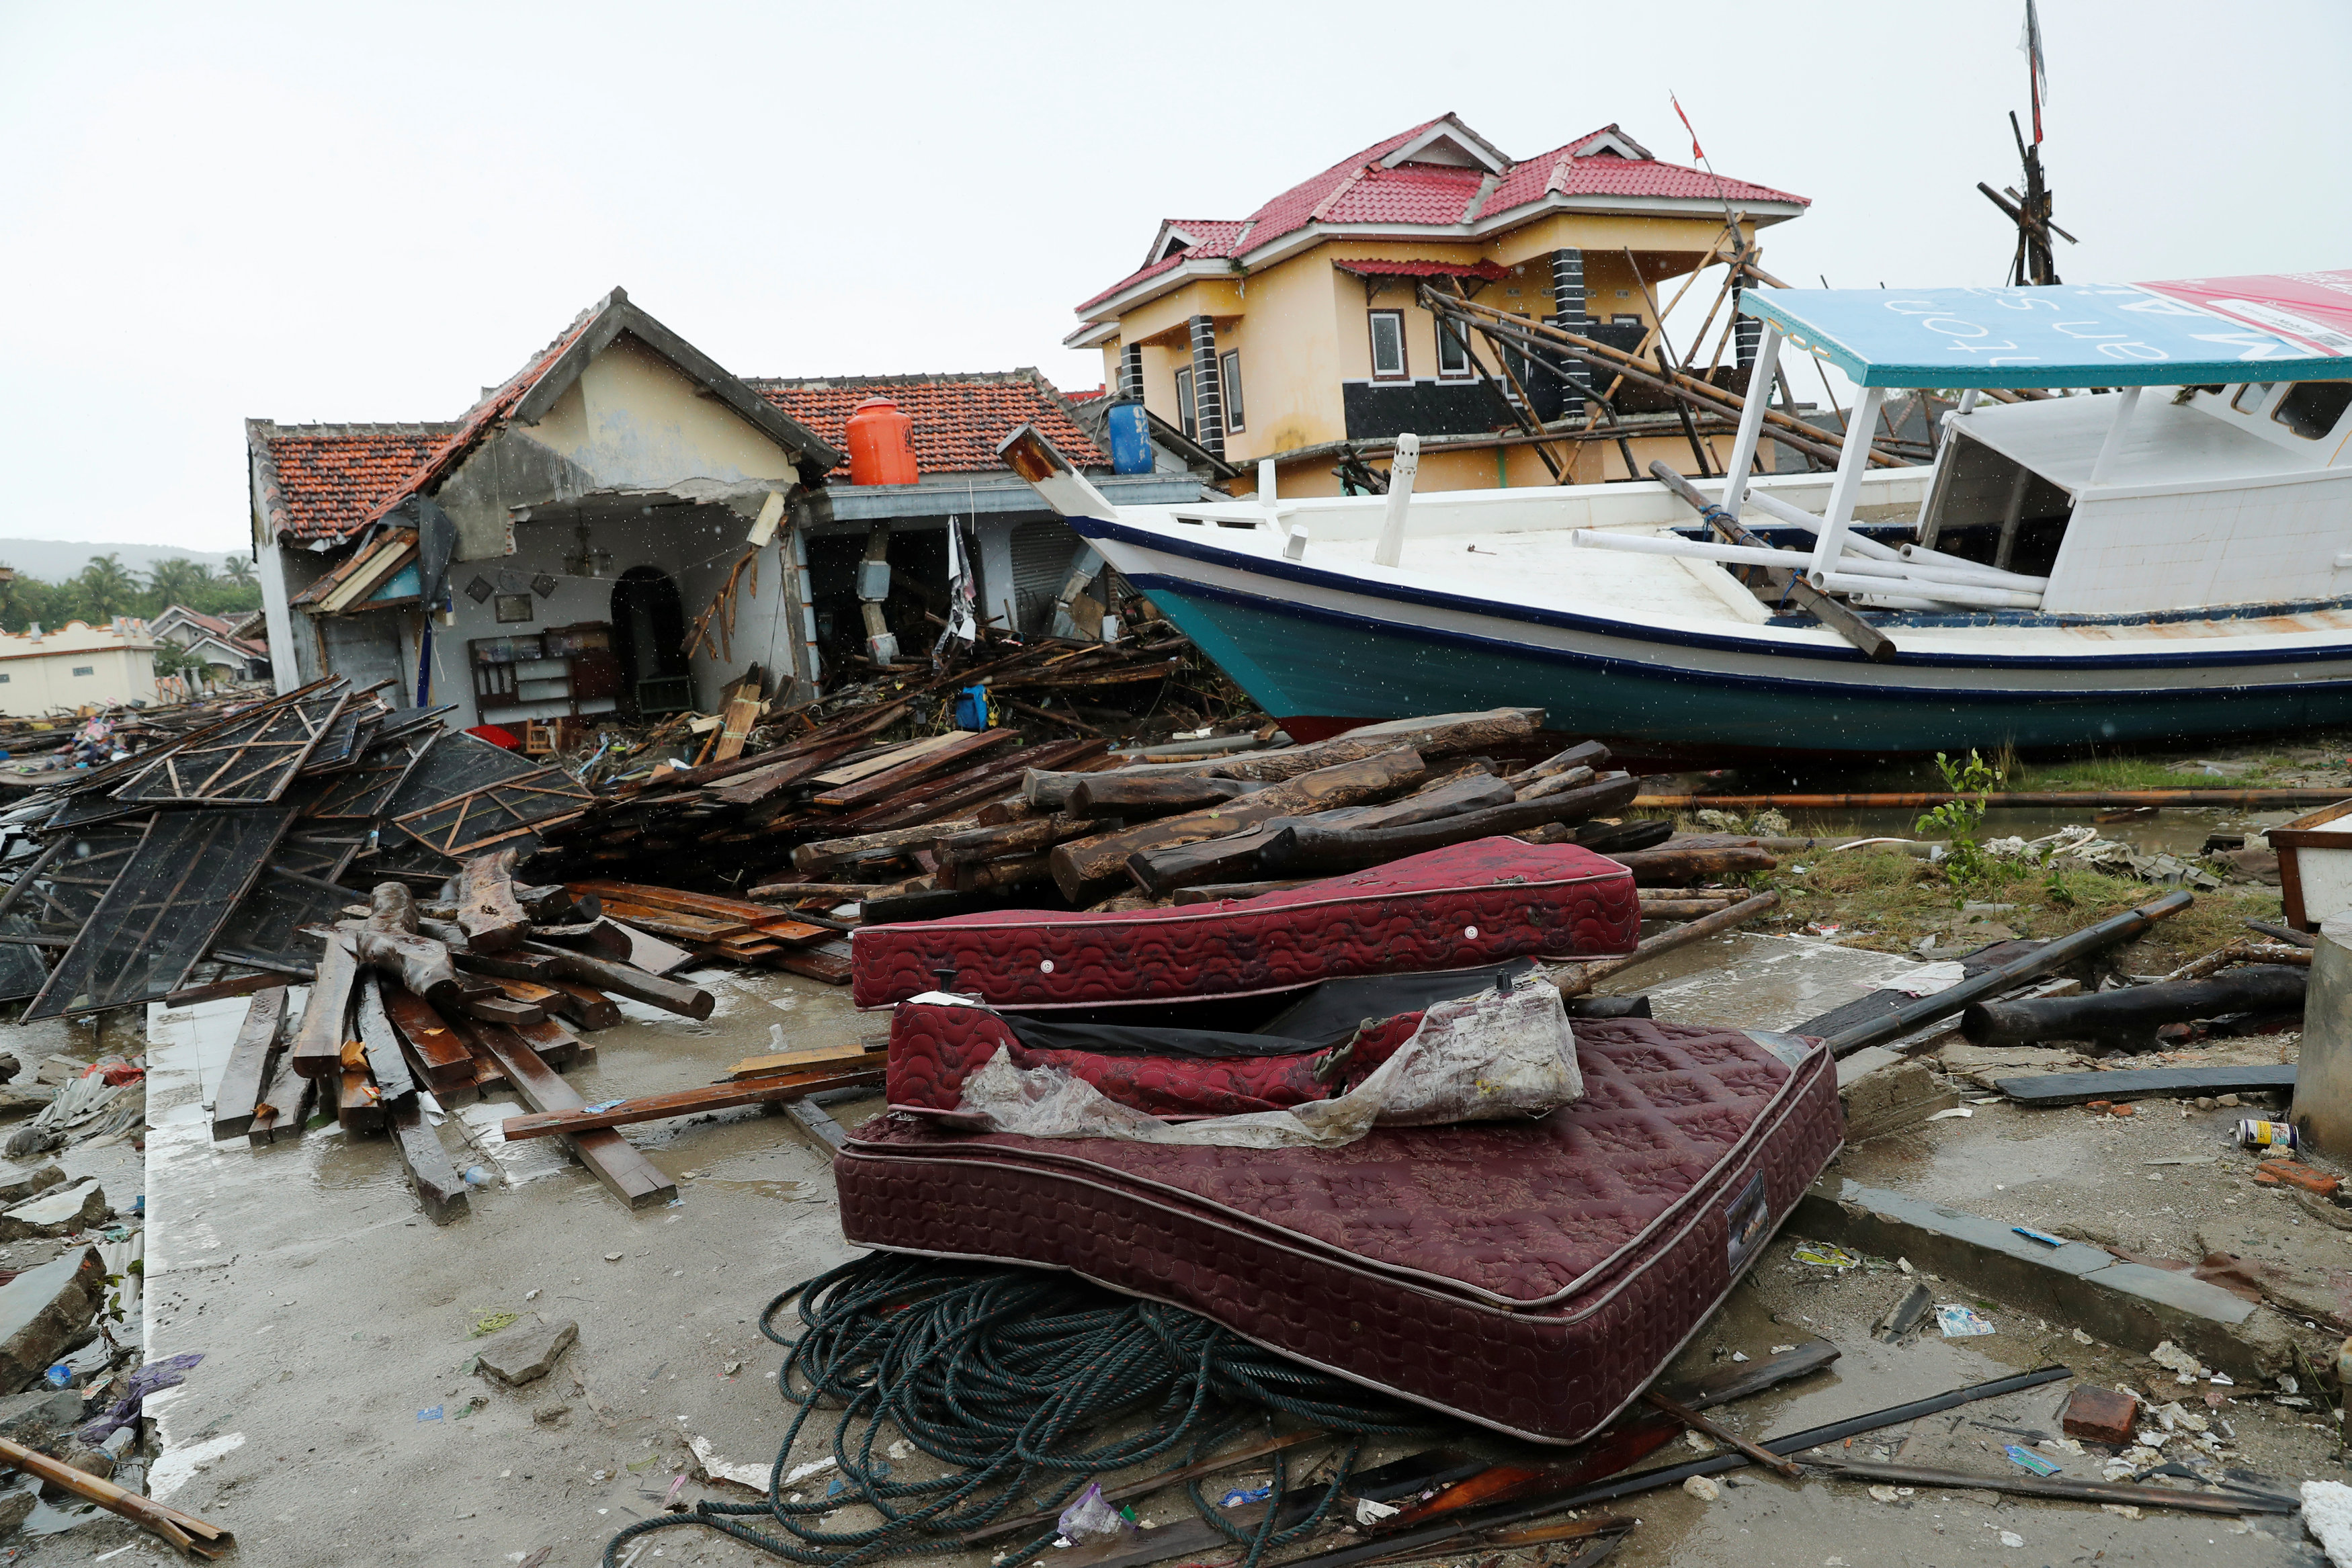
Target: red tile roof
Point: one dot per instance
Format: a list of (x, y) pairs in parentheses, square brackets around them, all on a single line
[(1488, 270), (958, 419), (1360, 190), (322, 481)]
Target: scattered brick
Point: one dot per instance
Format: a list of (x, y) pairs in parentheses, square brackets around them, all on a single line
[(2286, 1172), (2099, 1416)]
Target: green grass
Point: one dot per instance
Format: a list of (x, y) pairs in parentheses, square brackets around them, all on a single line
[(1888, 901)]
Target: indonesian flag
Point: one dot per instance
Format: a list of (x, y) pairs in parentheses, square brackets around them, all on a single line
[(2029, 44)]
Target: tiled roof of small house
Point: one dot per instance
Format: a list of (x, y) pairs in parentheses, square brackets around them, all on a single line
[(322, 481), (958, 418)]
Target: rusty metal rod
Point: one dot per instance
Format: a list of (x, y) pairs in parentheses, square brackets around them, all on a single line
[(2015, 798)]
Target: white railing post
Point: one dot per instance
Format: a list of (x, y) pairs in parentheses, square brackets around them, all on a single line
[(1751, 418), (1265, 481), (1401, 468), (2113, 446), (1853, 458)]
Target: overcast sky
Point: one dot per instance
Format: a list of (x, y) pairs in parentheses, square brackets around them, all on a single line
[(334, 213)]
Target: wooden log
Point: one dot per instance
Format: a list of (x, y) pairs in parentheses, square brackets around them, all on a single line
[(1609, 838), (829, 854), (1084, 865), (1017, 871), (283, 1112), (440, 1053), (1030, 835), (440, 1190), (1672, 867), (2130, 1016), (1012, 808), (392, 906), (1555, 783), (670, 925), (1161, 872), (317, 1049), (772, 1063), (1839, 618), (503, 965), (192, 1536), (245, 1079), (1683, 909), (379, 1042), (975, 787), (584, 1004), (625, 1172), (794, 891), (236, 985), (488, 912), (655, 991), (1308, 847), (775, 1088), (1707, 1426), (1445, 735), (424, 966), (1148, 792), (1584, 754)]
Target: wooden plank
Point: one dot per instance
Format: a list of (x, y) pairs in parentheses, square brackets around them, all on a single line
[(966, 745), (440, 1053), (751, 788), (246, 1077), (625, 1172), (238, 986), (825, 854), (381, 1043), (774, 1088), (318, 1047), (703, 905), (2183, 1082), (440, 1190), (503, 1010), (741, 712), (898, 756), (942, 799), (827, 961), (284, 1108), (649, 952), (672, 925), (776, 1061), (556, 1045)]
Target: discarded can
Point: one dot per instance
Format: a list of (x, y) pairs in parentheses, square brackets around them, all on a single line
[(2255, 1133)]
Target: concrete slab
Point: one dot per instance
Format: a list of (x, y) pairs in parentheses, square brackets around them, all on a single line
[(42, 1309), (526, 1352), (18, 1183), (57, 1212), (1749, 981)]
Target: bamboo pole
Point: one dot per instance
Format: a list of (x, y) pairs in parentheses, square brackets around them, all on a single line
[(192, 1535), (1576, 980), (2016, 799)]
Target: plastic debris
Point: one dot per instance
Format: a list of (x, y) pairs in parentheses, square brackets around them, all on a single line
[(2184, 1367), (1090, 1518), (1959, 1320), (1370, 1513), (431, 1413), (1823, 1255), (2027, 1459), (752, 1476), (1238, 1496)]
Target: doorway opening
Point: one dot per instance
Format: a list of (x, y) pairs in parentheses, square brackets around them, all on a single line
[(649, 635)]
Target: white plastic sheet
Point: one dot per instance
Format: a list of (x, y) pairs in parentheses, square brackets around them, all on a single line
[(1493, 1056)]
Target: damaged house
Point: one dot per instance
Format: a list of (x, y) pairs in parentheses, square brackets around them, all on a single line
[(557, 552)]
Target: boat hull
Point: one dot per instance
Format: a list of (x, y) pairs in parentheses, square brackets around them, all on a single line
[(1321, 653)]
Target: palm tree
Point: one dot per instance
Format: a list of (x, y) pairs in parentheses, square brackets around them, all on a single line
[(239, 571), (175, 580), (106, 588)]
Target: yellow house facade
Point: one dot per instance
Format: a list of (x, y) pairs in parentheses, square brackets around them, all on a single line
[(1293, 334)]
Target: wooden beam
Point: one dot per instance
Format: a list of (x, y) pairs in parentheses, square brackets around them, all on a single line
[(246, 1076), (381, 1043), (486, 911), (318, 1047), (441, 1054), (440, 1190), (625, 1172), (689, 1102), (653, 990), (284, 1109)]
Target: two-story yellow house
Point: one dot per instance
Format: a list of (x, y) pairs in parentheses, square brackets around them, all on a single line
[(1293, 333)]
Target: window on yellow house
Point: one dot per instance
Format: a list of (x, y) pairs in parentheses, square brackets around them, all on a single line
[(1453, 353), (1388, 346), (1184, 419), (1229, 371)]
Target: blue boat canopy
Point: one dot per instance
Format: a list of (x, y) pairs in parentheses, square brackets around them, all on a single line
[(2194, 331)]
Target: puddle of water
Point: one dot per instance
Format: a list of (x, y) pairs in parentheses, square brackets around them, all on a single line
[(527, 1161), (1750, 981), (781, 1191)]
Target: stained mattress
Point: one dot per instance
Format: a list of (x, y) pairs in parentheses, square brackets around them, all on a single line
[(1531, 1276), (1468, 904)]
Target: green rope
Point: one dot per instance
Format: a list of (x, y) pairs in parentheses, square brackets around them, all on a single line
[(1010, 1377)]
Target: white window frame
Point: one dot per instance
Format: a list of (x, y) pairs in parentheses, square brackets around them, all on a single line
[(1452, 337), (1187, 419), (1404, 371), (1228, 386)]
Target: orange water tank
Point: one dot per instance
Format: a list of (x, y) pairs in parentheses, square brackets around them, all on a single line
[(881, 444)]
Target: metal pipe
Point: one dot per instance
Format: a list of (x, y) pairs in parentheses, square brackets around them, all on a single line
[(1851, 579), (1910, 798), (1943, 1004), (1854, 576)]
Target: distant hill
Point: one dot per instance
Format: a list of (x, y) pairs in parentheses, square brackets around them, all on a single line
[(54, 560)]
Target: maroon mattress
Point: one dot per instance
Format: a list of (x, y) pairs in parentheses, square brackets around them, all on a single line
[(1454, 908), (1532, 1276), (935, 1047)]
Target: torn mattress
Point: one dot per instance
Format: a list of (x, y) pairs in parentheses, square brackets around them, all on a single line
[(1468, 904), (1531, 1276)]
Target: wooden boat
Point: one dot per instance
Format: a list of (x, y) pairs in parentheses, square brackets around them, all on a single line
[(2110, 567)]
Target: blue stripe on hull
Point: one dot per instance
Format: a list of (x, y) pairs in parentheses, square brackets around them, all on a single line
[(1301, 659)]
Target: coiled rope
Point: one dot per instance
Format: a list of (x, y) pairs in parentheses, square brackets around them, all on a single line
[(1013, 1379)]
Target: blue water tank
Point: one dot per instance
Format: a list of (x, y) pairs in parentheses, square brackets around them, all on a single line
[(1130, 439)]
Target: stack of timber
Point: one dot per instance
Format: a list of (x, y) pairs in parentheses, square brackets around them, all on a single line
[(1234, 826), (417, 1006)]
